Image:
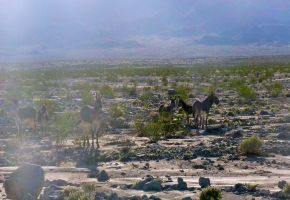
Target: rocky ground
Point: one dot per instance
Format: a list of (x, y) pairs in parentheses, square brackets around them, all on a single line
[(131, 167)]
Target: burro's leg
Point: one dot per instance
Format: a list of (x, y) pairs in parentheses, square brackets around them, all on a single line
[(97, 137), (206, 120), (93, 137)]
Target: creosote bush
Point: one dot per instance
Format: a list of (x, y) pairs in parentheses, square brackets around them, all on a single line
[(161, 127), (286, 191), (251, 146), (275, 89), (107, 91), (62, 127), (243, 90), (211, 193)]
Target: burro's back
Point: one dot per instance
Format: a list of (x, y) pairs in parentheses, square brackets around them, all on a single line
[(27, 113), (89, 114)]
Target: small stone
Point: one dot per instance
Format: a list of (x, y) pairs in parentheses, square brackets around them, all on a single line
[(204, 182)]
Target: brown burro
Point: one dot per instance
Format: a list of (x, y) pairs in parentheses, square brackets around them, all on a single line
[(25, 181)]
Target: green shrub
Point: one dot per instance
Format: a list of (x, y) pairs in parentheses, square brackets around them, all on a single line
[(89, 187), (286, 191), (275, 89), (164, 81), (146, 96), (130, 90), (251, 146), (78, 195), (251, 187), (163, 127), (247, 92), (116, 111), (107, 91), (243, 90), (183, 91), (211, 193), (62, 127)]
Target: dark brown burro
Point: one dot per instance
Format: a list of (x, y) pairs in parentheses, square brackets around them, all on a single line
[(26, 180)]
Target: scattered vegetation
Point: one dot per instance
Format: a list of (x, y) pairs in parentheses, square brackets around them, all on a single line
[(107, 91), (130, 90), (211, 193), (275, 89), (183, 91), (251, 146), (244, 91), (286, 191), (162, 127), (78, 195), (63, 127)]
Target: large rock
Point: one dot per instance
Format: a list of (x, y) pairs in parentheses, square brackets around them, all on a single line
[(154, 185), (282, 184), (204, 182), (26, 181), (103, 176)]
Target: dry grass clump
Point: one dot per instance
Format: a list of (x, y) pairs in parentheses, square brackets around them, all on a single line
[(251, 146), (211, 193)]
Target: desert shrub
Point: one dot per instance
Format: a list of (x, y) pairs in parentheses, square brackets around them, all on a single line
[(3, 113), (85, 92), (251, 187), (286, 191), (62, 127), (130, 90), (78, 195), (163, 127), (247, 92), (211, 193), (275, 89), (116, 111), (183, 91), (164, 81), (116, 117), (112, 77), (89, 187), (146, 96), (251, 146), (107, 91), (243, 90)]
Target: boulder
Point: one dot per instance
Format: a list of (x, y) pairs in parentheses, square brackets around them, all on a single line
[(154, 185), (204, 182), (103, 176), (282, 184), (27, 180), (181, 184)]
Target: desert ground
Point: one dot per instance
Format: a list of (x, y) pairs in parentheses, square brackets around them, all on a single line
[(136, 147)]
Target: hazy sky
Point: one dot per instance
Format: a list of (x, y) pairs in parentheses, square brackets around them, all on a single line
[(143, 28)]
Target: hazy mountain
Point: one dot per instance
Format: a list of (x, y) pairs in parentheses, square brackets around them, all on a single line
[(143, 28)]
